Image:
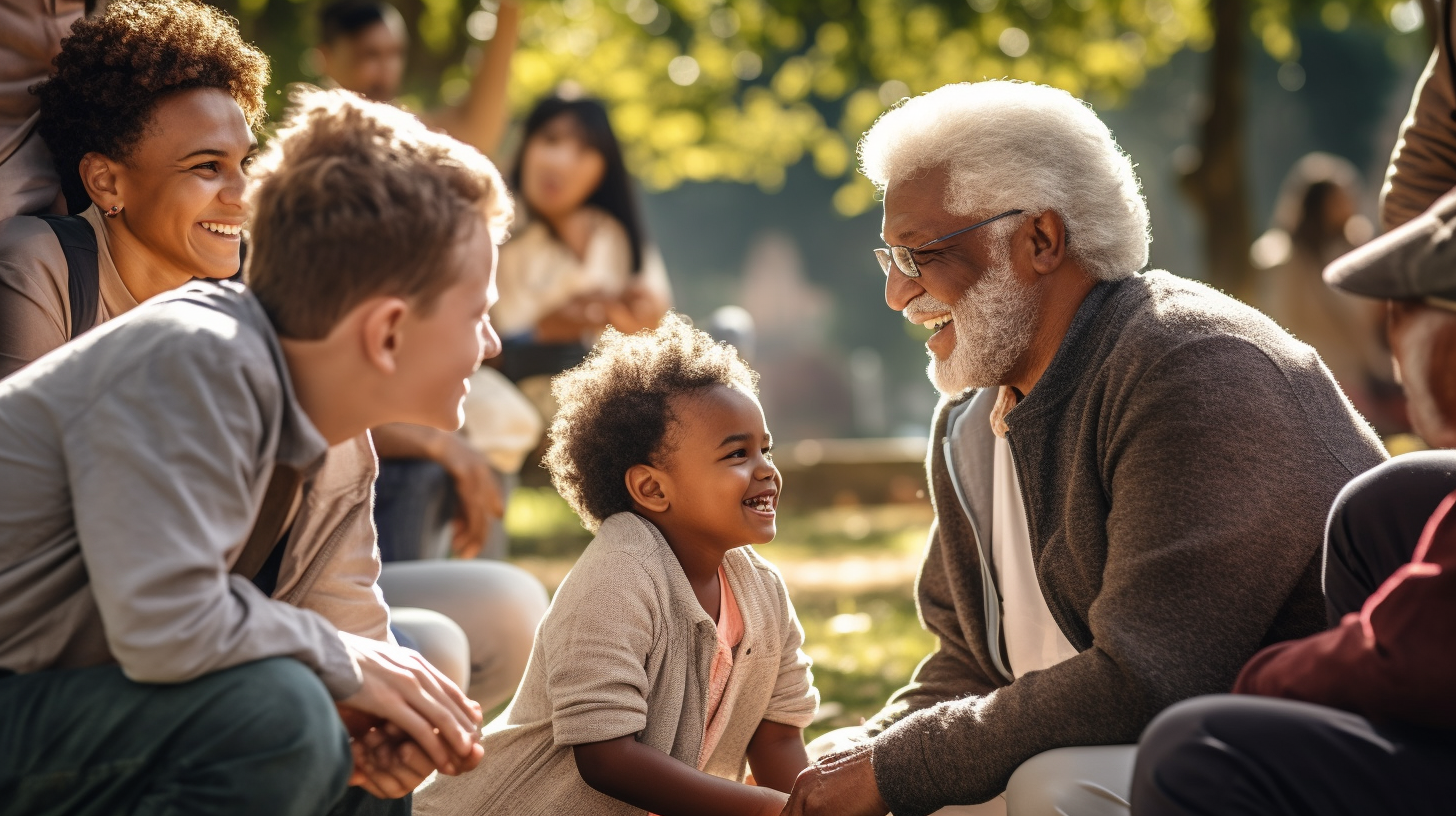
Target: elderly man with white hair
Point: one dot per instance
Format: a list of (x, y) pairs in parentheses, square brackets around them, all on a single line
[(1130, 470)]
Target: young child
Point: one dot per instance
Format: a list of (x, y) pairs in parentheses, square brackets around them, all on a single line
[(671, 652)]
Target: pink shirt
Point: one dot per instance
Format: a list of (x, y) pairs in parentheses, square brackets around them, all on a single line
[(730, 632)]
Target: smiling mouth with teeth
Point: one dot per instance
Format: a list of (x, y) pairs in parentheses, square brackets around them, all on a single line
[(222, 229), (763, 504), (937, 323)]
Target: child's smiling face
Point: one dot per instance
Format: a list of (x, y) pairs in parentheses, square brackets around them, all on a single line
[(717, 472)]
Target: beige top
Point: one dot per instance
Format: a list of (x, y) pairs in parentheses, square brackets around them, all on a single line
[(35, 303), (627, 649), (539, 274), (30, 37)]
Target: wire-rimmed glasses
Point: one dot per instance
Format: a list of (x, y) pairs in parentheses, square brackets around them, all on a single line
[(903, 258)]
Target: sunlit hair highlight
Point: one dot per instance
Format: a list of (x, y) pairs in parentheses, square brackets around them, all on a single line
[(353, 199), (1014, 145)]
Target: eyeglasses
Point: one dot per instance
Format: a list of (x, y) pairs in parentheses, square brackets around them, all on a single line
[(905, 261)]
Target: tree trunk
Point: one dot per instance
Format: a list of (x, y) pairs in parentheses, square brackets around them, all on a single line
[(1218, 186)]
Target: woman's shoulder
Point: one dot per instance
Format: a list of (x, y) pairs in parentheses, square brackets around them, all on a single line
[(24, 237), (31, 258)]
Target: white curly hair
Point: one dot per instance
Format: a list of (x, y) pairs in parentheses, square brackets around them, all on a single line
[(1018, 146)]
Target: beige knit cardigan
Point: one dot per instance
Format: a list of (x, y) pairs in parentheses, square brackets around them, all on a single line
[(626, 649)]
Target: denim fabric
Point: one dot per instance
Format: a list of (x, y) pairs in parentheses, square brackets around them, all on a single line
[(414, 509), (414, 502)]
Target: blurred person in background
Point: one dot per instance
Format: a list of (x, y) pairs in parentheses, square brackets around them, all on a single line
[(580, 260), (1317, 219), (362, 48), (30, 37), (1360, 718)]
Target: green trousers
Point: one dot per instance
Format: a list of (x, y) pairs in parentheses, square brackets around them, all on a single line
[(261, 738)]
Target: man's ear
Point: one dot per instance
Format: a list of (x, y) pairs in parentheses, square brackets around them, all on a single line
[(1048, 242), (99, 175), (646, 486), (380, 326)]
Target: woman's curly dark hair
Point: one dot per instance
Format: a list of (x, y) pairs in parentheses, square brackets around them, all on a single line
[(615, 409), (113, 69)]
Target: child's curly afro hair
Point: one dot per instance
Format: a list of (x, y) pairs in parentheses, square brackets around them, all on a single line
[(616, 407), (112, 69)]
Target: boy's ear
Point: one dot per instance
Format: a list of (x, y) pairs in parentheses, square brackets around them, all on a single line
[(381, 322), (645, 486)]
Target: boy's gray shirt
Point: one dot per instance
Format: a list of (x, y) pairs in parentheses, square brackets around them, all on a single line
[(1177, 460), (133, 462)]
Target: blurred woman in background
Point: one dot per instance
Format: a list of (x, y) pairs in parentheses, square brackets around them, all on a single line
[(1317, 219), (580, 260)]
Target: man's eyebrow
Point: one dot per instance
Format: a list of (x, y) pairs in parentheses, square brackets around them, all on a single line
[(912, 237)]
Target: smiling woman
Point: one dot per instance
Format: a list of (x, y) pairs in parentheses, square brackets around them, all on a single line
[(150, 116)]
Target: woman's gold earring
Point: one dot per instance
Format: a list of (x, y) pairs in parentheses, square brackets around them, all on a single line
[(114, 211)]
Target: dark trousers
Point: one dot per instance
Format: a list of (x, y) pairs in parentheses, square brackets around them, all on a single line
[(414, 502), (1376, 523), (261, 738), (1240, 754)]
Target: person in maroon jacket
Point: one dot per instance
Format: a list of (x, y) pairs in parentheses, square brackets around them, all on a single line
[(1361, 718)]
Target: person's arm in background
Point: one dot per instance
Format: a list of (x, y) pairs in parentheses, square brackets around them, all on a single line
[(480, 121), (1423, 164), (481, 497), (645, 300), (1390, 661)]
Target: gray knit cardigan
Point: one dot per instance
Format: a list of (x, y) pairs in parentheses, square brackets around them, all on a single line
[(1177, 462)]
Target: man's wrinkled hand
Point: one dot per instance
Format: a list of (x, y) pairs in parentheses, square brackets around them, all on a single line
[(403, 690), (840, 784)]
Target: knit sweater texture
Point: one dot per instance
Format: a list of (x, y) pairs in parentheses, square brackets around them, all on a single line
[(1177, 460)]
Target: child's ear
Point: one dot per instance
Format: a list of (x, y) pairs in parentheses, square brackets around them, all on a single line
[(380, 325), (645, 486)]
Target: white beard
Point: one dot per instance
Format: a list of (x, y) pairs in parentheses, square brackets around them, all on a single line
[(993, 323)]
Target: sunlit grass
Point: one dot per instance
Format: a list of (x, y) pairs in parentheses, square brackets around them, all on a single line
[(850, 572)]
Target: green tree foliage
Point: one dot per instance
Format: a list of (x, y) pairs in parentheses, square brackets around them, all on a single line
[(706, 90)]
